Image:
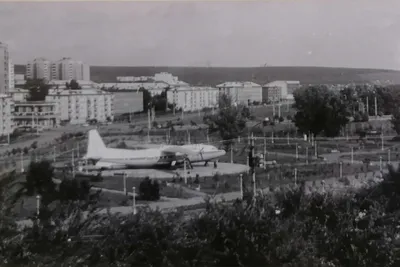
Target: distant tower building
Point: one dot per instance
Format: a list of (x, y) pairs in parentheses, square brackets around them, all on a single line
[(39, 68), (4, 68), (69, 69)]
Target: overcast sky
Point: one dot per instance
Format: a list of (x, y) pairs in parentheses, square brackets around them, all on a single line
[(337, 33)]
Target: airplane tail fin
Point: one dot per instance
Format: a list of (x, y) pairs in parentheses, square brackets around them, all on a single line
[(96, 147)]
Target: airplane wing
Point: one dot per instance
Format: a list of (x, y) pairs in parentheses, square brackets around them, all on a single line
[(179, 149)]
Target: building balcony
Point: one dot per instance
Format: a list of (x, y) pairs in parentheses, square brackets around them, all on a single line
[(38, 115)]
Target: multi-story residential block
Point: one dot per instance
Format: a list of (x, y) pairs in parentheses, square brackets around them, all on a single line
[(127, 102), (69, 69), (6, 122), (193, 98), (4, 68), (241, 92), (80, 106), (279, 90), (11, 76), (39, 68), (19, 79), (36, 114), (168, 78)]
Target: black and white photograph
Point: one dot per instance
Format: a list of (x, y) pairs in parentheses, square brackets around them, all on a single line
[(200, 133)]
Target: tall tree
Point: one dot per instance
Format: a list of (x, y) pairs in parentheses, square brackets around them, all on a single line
[(319, 110), (38, 89), (74, 85), (147, 99), (230, 121), (396, 120)]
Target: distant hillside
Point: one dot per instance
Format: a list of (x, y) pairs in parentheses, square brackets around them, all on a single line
[(261, 75)]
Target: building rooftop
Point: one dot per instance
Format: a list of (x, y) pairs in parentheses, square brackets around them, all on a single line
[(33, 103), (194, 88), (92, 91), (238, 84), (280, 82)]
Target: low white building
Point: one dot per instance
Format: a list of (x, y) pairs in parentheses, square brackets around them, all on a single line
[(241, 92), (36, 114), (6, 122), (80, 106), (193, 98), (279, 90), (19, 94)]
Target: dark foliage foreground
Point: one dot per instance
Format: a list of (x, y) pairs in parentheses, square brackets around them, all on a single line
[(359, 229)]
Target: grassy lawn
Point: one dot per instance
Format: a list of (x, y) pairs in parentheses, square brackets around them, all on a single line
[(279, 175), (117, 183)]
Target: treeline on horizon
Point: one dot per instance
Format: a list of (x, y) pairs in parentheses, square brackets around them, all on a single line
[(261, 75)]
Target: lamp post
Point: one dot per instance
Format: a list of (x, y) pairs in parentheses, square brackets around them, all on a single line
[(134, 200), (125, 190), (38, 197), (22, 162), (54, 154), (241, 185)]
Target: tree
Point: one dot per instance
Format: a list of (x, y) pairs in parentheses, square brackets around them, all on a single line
[(229, 121), (147, 99), (396, 120), (39, 181), (74, 85), (319, 110), (38, 89), (149, 190)]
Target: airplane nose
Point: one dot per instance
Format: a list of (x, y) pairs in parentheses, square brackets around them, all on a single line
[(222, 152)]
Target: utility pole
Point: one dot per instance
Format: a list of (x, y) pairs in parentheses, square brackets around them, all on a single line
[(297, 152), (295, 176), (54, 154), (265, 151), (253, 165), (376, 106), (382, 148), (367, 105)]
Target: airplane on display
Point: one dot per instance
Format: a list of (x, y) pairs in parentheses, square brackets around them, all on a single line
[(165, 156)]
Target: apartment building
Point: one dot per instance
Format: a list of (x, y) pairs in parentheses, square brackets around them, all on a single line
[(4, 68), (39, 115), (6, 122), (39, 68), (241, 92), (69, 69), (11, 76), (193, 98), (279, 90), (80, 106)]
